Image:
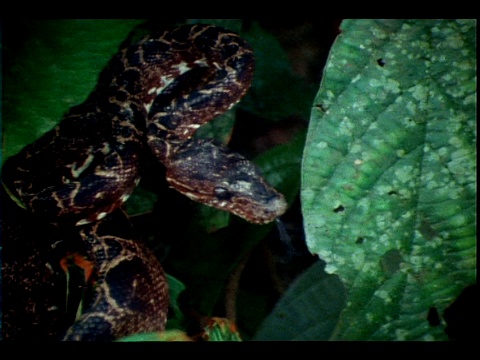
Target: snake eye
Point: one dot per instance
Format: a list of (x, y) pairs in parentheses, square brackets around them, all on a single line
[(222, 193)]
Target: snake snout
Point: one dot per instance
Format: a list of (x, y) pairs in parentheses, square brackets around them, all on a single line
[(277, 205)]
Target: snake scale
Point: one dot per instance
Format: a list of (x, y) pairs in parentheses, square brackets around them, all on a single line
[(152, 96)]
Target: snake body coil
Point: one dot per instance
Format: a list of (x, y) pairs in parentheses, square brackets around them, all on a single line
[(152, 95)]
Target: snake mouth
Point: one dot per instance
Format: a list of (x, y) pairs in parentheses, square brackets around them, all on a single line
[(277, 206), (261, 212), (258, 211)]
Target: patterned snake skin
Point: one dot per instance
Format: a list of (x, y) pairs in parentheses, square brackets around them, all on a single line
[(152, 96)]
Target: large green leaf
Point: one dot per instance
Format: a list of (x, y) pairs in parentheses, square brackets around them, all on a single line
[(50, 66), (389, 173)]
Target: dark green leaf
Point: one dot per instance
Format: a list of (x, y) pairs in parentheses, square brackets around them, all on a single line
[(56, 67), (175, 288), (309, 310), (276, 93)]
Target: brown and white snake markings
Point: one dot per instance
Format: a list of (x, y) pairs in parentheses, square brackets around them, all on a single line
[(152, 96)]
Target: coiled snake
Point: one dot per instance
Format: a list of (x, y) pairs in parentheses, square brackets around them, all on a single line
[(152, 96)]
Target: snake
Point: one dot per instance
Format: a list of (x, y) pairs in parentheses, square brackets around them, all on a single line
[(151, 97)]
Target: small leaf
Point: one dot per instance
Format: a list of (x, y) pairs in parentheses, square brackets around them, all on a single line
[(169, 335), (220, 329), (175, 288), (141, 201), (219, 128), (281, 166)]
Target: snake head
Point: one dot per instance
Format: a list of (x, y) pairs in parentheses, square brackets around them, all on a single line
[(216, 176)]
